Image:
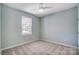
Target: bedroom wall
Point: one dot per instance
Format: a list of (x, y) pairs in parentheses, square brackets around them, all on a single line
[(0, 29), (78, 25), (61, 27), (11, 27)]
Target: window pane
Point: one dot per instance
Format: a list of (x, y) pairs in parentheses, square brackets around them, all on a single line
[(26, 25)]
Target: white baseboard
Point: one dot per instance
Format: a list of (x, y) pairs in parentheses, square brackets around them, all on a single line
[(18, 45), (61, 43), (37, 40)]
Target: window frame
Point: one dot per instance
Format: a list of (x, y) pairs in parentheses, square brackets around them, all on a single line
[(22, 25)]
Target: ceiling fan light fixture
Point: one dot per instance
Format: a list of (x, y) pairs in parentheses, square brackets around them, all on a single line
[(41, 10)]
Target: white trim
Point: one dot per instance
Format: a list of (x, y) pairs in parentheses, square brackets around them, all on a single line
[(60, 43), (18, 45), (37, 40)]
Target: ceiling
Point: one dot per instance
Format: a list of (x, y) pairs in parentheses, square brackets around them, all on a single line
[(30, 7)]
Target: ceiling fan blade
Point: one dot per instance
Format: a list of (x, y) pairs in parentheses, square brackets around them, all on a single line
[(47, 8), (34, 9)]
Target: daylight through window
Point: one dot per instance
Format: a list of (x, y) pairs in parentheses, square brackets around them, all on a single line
[(26, 25)]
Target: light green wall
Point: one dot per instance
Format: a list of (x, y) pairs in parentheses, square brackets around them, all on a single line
[(61, 27), (11, 27), (0, 29), (78, 26)]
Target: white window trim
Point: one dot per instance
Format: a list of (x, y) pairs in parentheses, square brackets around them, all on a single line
[(26, 32)]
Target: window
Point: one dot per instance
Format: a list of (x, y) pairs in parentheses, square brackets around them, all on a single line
[(26, 25)]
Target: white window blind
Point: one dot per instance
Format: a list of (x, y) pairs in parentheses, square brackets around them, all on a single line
[(26, 25)]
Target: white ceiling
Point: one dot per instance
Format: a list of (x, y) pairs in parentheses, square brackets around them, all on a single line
[(30, 7)]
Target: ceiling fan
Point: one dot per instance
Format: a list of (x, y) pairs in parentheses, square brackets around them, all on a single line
[(42, 7)]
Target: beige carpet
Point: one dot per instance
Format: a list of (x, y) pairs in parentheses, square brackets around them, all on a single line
[(40, 48)]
